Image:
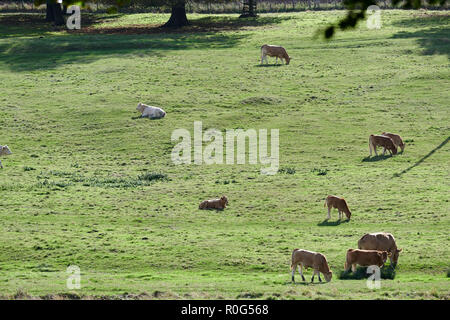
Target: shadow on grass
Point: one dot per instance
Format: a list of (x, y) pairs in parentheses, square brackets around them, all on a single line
[(43, 49), (50, 52), (327, 223), (423, 20), (434, 40), (386, 272), (268, 65), (147, 118), (308, 282), (376, 158), (443, 143)]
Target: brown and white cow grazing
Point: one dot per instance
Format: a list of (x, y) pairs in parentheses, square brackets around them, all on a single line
[(338, 203), (274, 51), (382, 141), (380, 241), (4, 151), (309, 259), (398, 141), (214, 203), (364, 258)]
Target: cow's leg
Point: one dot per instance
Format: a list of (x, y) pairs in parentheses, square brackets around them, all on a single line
[(346, 266), (329, 210), (314, 273), (384, 150), (293, 272), (318, 273), (354, 267), (301, 271), (1, 166), (375, 149)]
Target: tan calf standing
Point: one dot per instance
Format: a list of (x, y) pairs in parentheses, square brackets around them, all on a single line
[(274, 51), (309, 259), (382, 141), (398, 141), (214, 203), (338, 203), (364, 258)]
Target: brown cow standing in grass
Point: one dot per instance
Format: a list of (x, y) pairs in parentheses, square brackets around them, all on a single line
[(308, 259), (381, 241), (219, 204), (382, 141), (338, 203), (398, 141), (274, 51), (365, 258)]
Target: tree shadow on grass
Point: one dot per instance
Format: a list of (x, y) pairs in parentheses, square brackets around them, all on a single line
[(443, 143), (433, 40), (327, 223), (31, 43), (27, 54)]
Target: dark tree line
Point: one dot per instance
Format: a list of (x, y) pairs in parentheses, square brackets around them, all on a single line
[(356, 10)]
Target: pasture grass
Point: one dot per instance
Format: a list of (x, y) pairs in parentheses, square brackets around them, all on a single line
[(90, 184)]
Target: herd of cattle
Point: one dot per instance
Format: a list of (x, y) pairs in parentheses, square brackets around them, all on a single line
[(373, 248)]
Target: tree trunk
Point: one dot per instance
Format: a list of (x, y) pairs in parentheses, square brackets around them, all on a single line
[(53, 13), (178, 16), (57, 12), (49, 12)]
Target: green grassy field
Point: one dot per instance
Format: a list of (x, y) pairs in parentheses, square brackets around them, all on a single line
[(74, 191)]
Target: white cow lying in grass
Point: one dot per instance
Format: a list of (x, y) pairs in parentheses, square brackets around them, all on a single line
[(4, 151), (150, 112)]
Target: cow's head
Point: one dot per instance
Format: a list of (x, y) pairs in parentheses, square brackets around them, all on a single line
[(4, 150), (140, 107), (394, 256), (384, 256), (328, 276), (394, 149), (224, 200), (348, 214), (288, 59)]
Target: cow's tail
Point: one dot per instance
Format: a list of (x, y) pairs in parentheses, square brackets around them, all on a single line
[(326, 202)]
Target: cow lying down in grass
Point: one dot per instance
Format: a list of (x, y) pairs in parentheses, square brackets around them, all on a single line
[(150, 112), (219, 204), (4, 151)]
